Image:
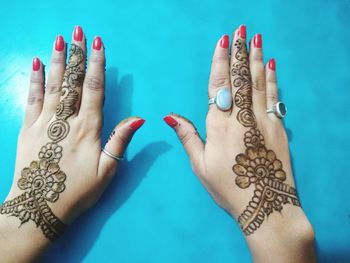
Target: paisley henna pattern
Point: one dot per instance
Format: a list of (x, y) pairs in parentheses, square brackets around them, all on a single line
[(42, 181), (258, 166)]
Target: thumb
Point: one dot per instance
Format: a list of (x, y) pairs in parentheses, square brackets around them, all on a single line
[(116, 145), (190, 140)]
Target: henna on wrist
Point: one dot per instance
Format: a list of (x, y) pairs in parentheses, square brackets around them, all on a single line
[(43, 181), (258, 166)]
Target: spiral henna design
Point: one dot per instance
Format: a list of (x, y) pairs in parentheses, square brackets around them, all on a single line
[(43, 181), (258, 166)]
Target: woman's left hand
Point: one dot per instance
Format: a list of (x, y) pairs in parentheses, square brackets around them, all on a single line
[(60, 168)]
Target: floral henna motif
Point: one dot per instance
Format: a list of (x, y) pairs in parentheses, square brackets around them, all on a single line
[(253, 138), (43, 181), (51, 151), (258, 166)]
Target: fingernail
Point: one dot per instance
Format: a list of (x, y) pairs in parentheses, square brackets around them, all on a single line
[(224, 41), (242, 31), (59, 44), (170, 121), (36, 64), (78, 33), (137, 124), (257, 41), (272, 64), (97, 44)]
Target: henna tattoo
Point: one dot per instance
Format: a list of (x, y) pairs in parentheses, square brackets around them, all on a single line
[(111, 135), (242, 81), (58, 130), (43, 181), (258, 166)]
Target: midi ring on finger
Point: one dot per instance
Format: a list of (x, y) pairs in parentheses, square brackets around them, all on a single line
[(117, 158), (223, 99), (279, 109)]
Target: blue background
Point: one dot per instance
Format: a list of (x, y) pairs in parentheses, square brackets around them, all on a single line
[(158, 61)]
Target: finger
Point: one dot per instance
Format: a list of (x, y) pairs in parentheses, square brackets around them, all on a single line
[(241, 79), (73, 77), (93, 88), (257, 72), (55, 78), (190, 140), (271, 88), (219, 74), (36, 93), (116, 145)]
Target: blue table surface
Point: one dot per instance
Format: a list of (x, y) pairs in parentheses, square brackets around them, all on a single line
[(158, 61)]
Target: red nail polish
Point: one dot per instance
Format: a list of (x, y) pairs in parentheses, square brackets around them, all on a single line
[(224, 41), (59, 43), (78, 33), (272, 64), (242, 31), (137, 124), (170, 121), (97, 44), (258, 41), (36, 64)]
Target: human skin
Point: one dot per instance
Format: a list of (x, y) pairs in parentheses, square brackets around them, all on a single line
[(245, 162), (69, 172)]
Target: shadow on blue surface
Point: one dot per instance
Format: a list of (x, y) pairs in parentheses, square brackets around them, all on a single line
[(332, 256), (130, 174)]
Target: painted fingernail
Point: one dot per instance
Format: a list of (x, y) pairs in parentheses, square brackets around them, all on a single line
[(242, 31), (78, 33), (257, 41), (170, 121), (97, 44), (137, 124), (59, 43), (272, 64), (224, 41), (36, 64)]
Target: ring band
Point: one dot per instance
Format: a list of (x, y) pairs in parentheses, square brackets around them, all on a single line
[(279, 109), (118, 158), (223, 99)]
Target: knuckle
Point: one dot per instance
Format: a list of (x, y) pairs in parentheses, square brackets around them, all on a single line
[(219, 59), (122, 137), (58, 58), (88, 125), (271, 78), (53, 87), (219, 80), (259, 83), (94, 83), (279, 133), (188, 136), (97, 58), (272, 97), (36, 80), (33, 100)]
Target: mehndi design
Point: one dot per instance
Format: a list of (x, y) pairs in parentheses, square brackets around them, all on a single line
[(258, 166), (43, 181)]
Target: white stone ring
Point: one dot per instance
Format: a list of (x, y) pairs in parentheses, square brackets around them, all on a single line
[(223, 99), (279, 109)]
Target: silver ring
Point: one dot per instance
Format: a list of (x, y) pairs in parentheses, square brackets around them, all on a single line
[(223, 99), (118, 158), (279, 109)]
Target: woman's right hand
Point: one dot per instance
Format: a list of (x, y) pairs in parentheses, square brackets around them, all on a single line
[(245, 162)]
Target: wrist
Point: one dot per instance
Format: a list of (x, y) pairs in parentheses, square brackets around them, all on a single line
[(20, 243), (284, 237)]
